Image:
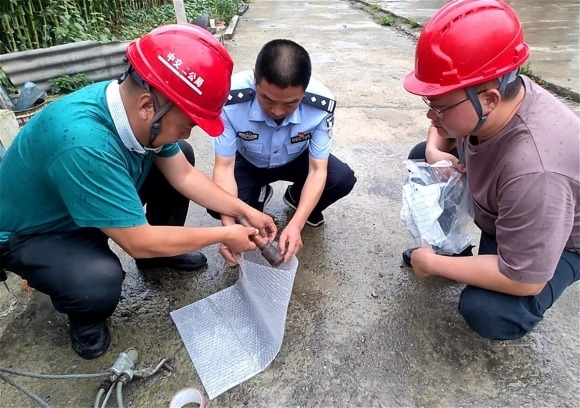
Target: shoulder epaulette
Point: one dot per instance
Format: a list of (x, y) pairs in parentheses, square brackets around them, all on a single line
[(240, 95), (320, 102)]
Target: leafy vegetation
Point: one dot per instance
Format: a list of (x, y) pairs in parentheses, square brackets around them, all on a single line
[(31, 24), (526, 69), (413, 23), (66, 84), (388, 21), (138, 22)]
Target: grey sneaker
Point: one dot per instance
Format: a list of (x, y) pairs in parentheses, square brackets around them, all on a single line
[(265, 195)]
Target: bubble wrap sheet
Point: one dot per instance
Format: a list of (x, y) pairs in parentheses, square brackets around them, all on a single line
[(234, 334)]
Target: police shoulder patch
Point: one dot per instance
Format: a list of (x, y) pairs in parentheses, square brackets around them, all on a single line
[(320, 102), (330, 121), (240, 95)]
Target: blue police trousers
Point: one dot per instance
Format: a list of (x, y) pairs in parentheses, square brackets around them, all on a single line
[(500, 316), (77, 269)]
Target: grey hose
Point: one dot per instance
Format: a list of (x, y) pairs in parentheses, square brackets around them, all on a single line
[(52, 376), (25, 391), (104, 404), (101, 392), (98, 399), (120, 394)]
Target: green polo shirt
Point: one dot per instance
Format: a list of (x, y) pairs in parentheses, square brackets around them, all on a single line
[(68, 168)]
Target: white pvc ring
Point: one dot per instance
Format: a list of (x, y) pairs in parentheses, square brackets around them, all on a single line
[(186, 396)]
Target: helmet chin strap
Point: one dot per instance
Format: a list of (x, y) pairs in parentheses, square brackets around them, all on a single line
[(472, 95), (471, 92), (155, 127), (160, 110)]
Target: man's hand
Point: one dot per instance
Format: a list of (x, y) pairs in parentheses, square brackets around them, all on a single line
[(238, 238), (233, 247), (445, 173), (439, 143), (290, 241), (228, 256), (263, 222), (433, 156), (421, 259)]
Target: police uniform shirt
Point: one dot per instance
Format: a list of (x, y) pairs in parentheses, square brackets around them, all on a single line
[(263, 142)]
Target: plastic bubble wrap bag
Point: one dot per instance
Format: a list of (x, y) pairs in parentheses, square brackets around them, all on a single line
[(437, 209), (234, 334)]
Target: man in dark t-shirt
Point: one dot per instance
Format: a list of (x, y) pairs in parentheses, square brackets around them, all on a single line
[(522, 158)]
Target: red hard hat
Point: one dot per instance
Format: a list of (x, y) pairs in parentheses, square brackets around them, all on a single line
[(466, 42), (190, 67)]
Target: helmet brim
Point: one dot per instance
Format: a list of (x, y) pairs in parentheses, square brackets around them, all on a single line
[(213, 127), (418, 87)]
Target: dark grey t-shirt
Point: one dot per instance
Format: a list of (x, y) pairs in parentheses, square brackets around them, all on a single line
[(525, 184)]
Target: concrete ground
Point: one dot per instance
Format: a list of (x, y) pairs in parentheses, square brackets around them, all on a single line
[(343, 347)]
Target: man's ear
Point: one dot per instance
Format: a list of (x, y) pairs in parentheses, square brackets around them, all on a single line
[(491, 99), (145, 105)]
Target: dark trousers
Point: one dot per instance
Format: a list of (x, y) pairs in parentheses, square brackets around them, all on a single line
[(500, 316), (340, 180), (77, 269)]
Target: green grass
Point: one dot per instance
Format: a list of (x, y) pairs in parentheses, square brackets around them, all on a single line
[(413, 23), (388, 21), (526, 69)]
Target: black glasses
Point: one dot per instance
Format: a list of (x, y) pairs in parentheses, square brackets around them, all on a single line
[(439, 112)]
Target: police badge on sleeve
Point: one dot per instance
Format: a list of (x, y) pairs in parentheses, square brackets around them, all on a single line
[(329, 124)]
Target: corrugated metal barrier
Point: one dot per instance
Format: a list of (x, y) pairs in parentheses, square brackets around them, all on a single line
[(94, 59)]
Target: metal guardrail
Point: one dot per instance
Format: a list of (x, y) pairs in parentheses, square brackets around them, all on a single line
[(96, 60)]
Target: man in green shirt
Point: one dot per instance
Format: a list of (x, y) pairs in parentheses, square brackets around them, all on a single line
[(81, 170)]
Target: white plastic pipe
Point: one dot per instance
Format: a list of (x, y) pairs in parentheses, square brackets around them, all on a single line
[(187, 396)]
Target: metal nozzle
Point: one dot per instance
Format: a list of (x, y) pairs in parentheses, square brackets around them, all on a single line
[(125, 363), (271, 253)]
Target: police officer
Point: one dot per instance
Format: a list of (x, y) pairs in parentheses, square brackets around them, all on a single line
[(278, 126)]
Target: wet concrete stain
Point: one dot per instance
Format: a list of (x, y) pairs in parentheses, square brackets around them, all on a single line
[(551, 29)]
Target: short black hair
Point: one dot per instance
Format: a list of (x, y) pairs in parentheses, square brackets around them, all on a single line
[(283, 63), (510, 92), (513, 89)]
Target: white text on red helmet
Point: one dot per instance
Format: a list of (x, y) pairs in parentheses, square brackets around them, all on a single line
[(191, 78)]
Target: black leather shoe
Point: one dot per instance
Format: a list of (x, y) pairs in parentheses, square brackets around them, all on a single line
[(315, 219), (90, 341), (407, 254), (187, 262)]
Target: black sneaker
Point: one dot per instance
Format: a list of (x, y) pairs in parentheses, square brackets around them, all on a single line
[(265, 195), (315, 218), (407, 254), (190, 261), (90, 341)]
